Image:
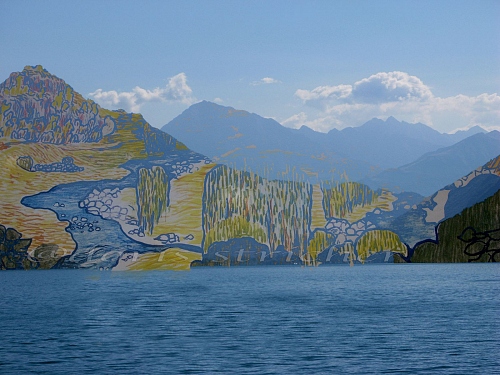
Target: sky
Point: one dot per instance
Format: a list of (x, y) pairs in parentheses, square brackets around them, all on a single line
[(324, 64)]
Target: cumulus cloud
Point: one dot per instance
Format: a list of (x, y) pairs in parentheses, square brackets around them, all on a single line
[(265, 81), (378, 88), (218, 101), (295, 121), (400, 95), (176, 90), (390, 87), (126, 100)]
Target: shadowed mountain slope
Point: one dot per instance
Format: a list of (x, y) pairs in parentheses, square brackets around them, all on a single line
[(436, 169)]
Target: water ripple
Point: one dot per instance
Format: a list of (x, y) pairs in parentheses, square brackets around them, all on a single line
[(411, 319)]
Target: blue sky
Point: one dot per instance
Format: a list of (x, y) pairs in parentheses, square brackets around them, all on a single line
[(325, 64)]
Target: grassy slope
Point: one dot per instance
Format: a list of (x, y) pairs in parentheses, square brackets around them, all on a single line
[(184, 214), (100, 160), (318, 214), (42, 225)]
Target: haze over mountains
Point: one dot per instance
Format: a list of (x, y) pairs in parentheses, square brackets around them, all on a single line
[(435, 169), (248, 141), (400, 155), (387, 144)]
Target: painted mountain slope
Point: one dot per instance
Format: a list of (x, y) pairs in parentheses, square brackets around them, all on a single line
[(39, 107), (70, 185), (135, 194), (435, 169)]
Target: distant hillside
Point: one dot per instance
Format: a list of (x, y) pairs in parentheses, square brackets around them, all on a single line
[(436, 169)]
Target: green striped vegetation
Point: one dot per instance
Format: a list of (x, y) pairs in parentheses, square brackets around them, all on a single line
[(152, 197), (448, 248), (320, 240), (378, 240), (340, 199), (236, 227), (238, 204)]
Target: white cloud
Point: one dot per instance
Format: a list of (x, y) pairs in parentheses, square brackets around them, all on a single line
[(378, 88), (321, 123), (325, 92), (218, 101), (295, 121), (125, 100), (400, 95), (265, 81), (176, 90), (390, 87)]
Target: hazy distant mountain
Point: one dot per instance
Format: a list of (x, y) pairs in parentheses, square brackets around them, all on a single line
[(436, 169), (215, 130), (462, 134), (247, 140), (387, 144)]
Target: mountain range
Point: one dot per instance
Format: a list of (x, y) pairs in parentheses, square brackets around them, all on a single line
[(250, 142), (104, 189), (435, 169), (393, 154), (386, 144)]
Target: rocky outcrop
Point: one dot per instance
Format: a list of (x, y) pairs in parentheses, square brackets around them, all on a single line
[(36, 106), (103, 203), (14, 250), (67, 165), (347, 232)]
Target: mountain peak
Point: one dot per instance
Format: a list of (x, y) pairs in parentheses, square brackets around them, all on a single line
[(474, 130), (57, 113), (392, 120), (207, 107), (35, 68), (305, 128), (206, 103)]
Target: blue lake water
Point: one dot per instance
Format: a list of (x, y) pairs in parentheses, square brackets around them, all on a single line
[(402, 319)]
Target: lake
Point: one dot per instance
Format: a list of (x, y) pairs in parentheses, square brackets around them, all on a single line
[(380, 318)]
